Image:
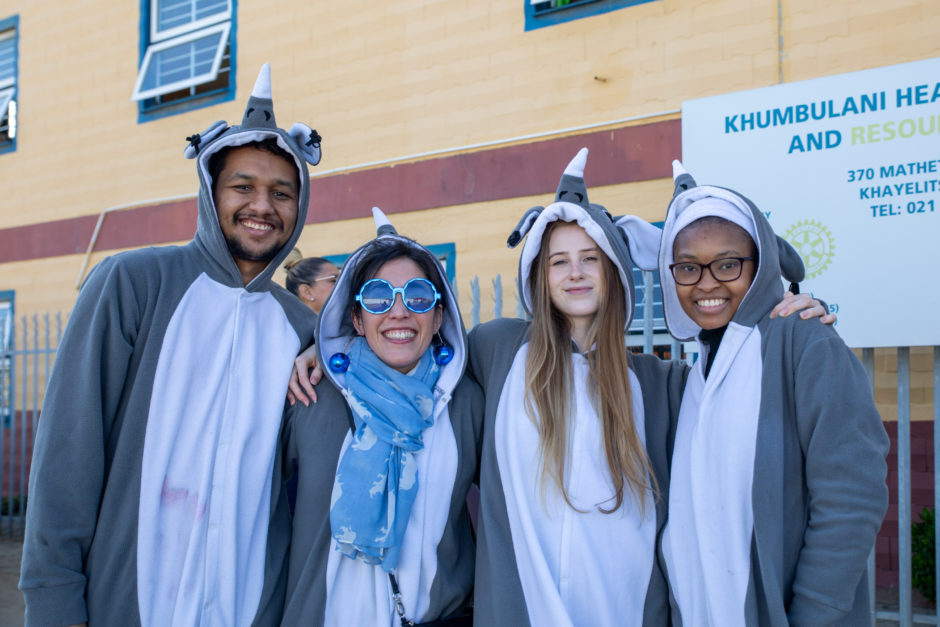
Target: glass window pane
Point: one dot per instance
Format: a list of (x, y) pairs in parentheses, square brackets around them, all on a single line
[(172, 14), (7, 57), (182, 65)]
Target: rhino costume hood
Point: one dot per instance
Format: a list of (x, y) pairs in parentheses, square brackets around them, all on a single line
[(156, 489), (627, 240), (335, 329), (257, 124), (776, 257)]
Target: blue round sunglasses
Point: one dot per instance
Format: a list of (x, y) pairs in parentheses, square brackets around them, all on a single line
[(378, 296)]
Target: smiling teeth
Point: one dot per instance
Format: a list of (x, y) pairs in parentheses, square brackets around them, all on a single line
[(258, 226), (711, 302), (399, 335)]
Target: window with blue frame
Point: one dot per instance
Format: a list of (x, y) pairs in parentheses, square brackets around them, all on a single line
[(187, 56), (8, 81), (539, 13)]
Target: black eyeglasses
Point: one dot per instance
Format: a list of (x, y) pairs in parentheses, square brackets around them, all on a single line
[(724, 270), (378, 296)]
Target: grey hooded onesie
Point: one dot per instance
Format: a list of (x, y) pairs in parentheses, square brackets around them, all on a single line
[(778, 473), (435, 572), (155, 493)]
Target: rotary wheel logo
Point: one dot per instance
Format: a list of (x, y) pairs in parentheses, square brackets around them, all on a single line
[(815, 244)]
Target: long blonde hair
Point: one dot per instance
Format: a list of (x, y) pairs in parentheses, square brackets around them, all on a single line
[(550, 387)]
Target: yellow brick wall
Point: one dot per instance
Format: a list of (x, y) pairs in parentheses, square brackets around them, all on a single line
[(921, 382), (383, 81)]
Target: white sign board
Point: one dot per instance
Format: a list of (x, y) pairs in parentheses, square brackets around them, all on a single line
[(847, 169)]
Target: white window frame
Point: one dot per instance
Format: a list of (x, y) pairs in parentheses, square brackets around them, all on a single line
[(156, 35), (7, 91), (6, 96), (6, 324), (207, 77)]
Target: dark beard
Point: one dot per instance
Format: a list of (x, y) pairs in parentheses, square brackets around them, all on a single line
[(238, 252)]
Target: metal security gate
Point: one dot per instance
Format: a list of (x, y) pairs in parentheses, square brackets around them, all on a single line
[(905, 616), (26, 356)]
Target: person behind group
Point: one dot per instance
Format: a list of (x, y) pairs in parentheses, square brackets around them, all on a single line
[(777, 486), (155, 490), (311, 279), (386, 456)]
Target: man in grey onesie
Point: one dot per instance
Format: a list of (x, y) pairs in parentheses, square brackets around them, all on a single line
[(155, 492)]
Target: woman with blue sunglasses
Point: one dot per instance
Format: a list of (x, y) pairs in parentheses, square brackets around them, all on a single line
[(386, 456)]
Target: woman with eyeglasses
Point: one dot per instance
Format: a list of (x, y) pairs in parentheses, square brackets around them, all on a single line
[(311, 279), (385, 457), (777, 484)]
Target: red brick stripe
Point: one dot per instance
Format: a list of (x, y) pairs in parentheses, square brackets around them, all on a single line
[(624, 155)]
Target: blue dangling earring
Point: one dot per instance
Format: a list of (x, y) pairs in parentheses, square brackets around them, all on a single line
[(442, 353), (339, 362)]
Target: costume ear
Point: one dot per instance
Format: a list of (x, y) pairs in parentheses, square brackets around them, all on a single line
[(308, 142), (528, 219), (643, 240), (791, 264), (198, 140), (681, 178)]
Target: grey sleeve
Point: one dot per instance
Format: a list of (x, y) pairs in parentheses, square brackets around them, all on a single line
[(69, 460), (844, 446)]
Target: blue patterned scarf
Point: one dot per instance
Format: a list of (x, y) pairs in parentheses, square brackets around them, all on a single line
[(377, 478)]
